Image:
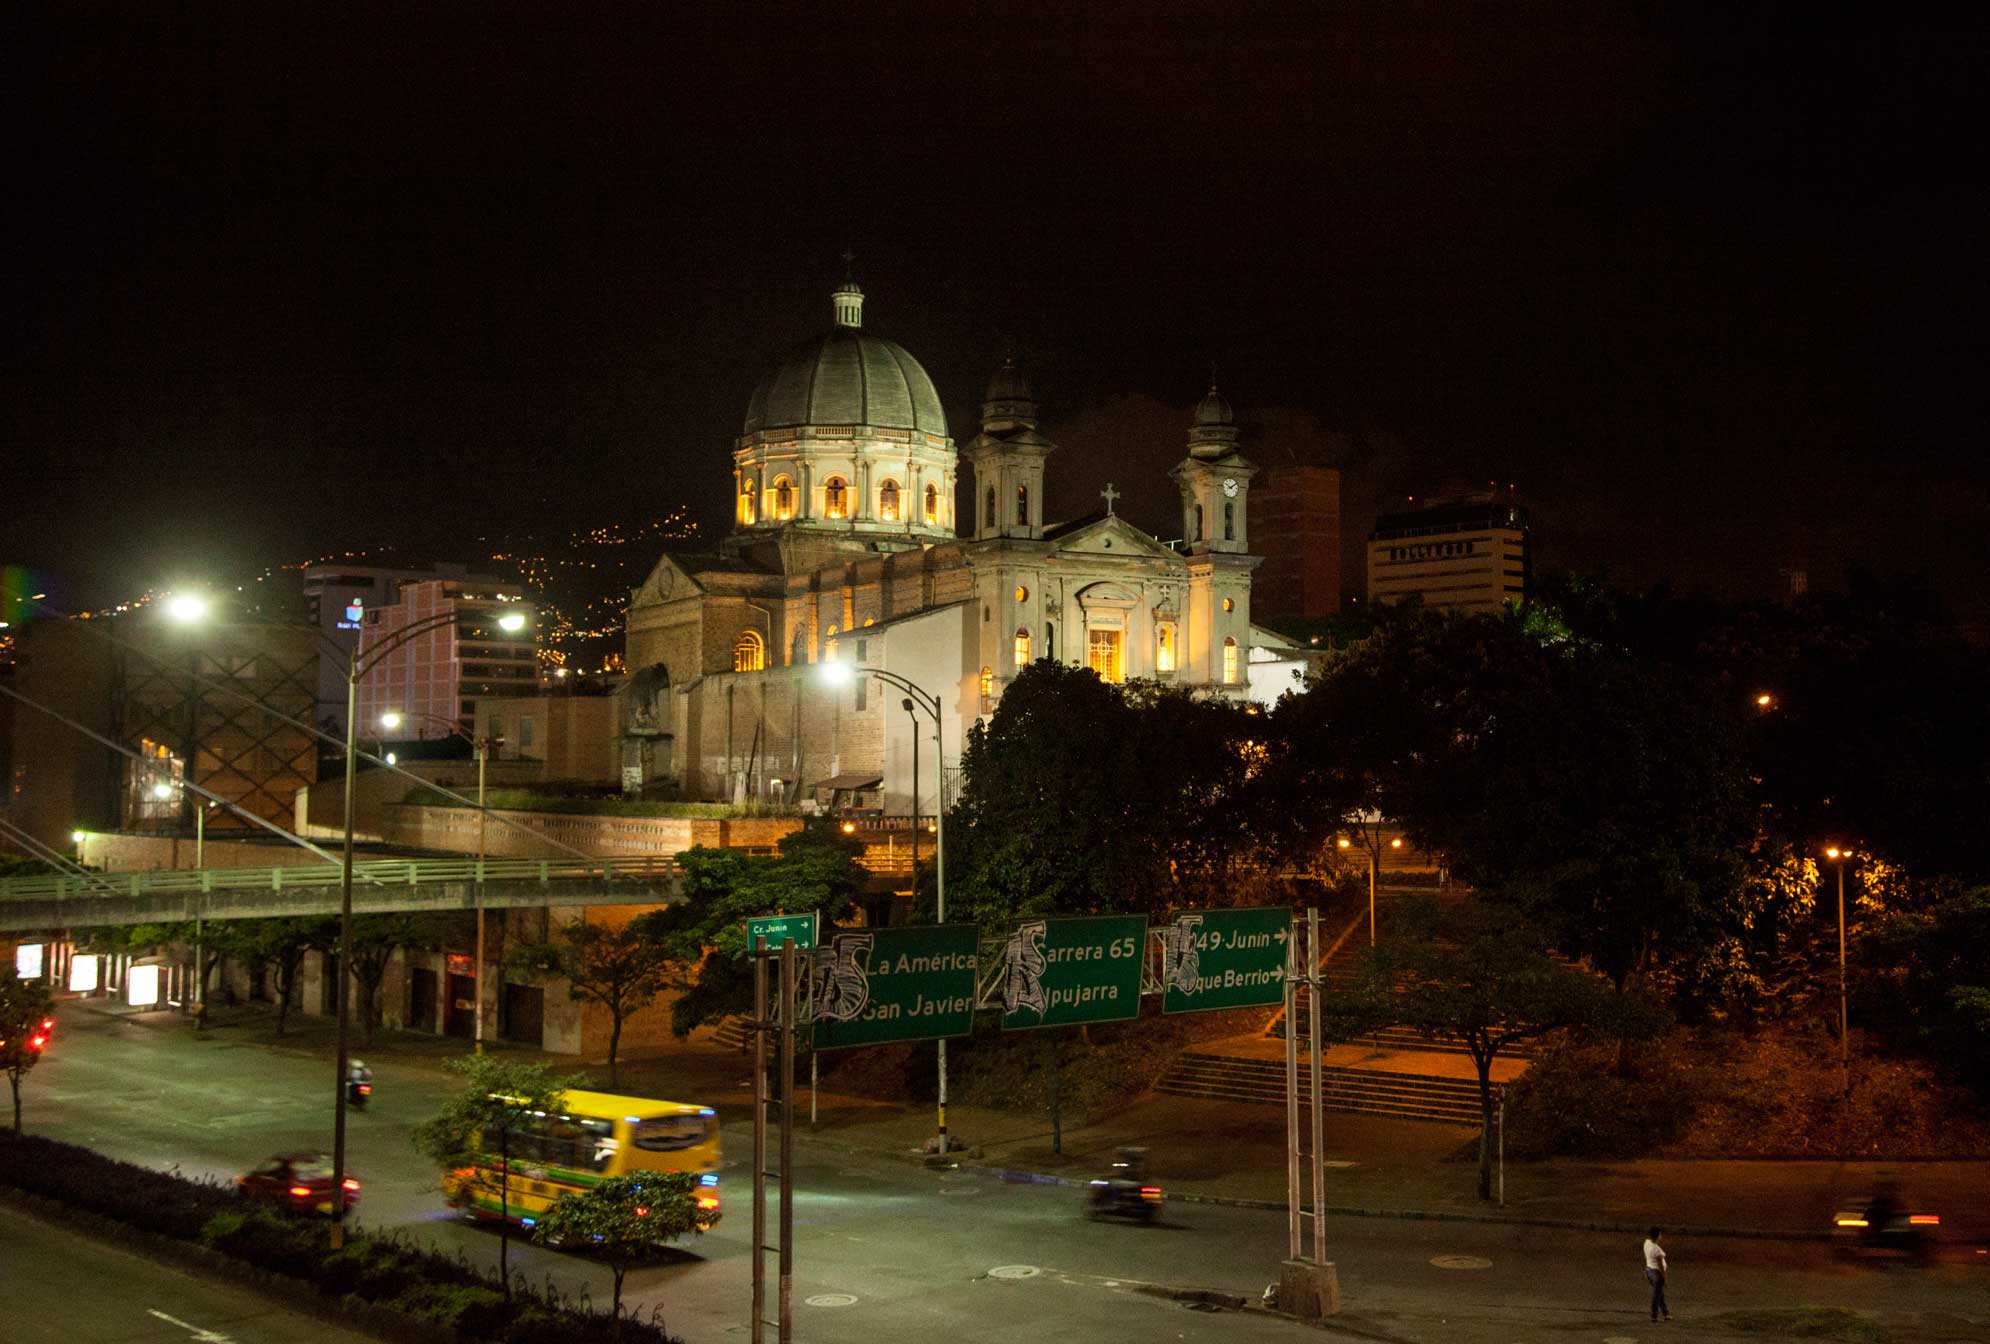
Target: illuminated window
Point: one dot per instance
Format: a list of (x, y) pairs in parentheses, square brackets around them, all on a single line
[(1164, 648), (1022, 648), (746, 506), (1102, 655), (888, 501), (784, 498), (1228, 605), (991, 506), (1229, 661), (748, 653), (932, 503), (1023, 505), (835, 498), (1022, 593), (1229, 522), (987, 684), (829, 643)]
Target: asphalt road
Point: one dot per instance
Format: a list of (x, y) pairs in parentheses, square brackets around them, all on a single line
[(62, 1288), (888, 1252)]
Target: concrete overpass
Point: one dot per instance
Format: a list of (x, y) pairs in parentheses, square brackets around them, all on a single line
[(381, 886)]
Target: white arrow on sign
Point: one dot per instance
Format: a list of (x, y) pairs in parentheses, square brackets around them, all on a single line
[(204, 1336)]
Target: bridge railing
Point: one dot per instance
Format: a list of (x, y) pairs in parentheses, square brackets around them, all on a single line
[(372, 873)]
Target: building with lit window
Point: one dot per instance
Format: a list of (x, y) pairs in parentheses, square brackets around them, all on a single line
[(337, 595), (436, 678), (1468, 555), (845, 545)]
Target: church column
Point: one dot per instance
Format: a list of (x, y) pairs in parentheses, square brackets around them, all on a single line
[(805, 506)]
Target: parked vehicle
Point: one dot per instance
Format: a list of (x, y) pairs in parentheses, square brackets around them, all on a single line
[(1124, 1190), (301, 1182)]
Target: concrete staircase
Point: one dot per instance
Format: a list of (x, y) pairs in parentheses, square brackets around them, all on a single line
[(1405, 1096)]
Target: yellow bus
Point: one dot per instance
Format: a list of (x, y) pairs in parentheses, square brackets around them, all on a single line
[(594, 1136)]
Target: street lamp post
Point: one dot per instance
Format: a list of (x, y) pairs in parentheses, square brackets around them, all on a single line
[(356, 669), (912, 714), (839, 673), (1838, 857), (481, 744)]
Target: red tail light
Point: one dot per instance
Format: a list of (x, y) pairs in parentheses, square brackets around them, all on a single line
[(1150, 1192), (351, 1184), (642, 1212), (366, 1089), (708, 1201), (300, 1191), (1925, 1219)]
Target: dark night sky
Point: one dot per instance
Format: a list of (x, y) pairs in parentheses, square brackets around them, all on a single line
[(1709, 289)]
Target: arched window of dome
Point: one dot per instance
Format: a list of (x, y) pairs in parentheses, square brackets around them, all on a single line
[(746, 510), (1023, 505), (835, 498), (1164, 647), (798, 649), (1198, 524), (1022, 647), (749, 654), (829, 644), (933, 504), (784, 498), (1229, 522), (991, 506), (888, 501), (1229, 661)]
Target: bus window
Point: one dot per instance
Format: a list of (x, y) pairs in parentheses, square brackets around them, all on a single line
[(672, 1133), (571, 1141)]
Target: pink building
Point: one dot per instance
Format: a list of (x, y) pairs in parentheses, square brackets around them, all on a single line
[(437, 677)]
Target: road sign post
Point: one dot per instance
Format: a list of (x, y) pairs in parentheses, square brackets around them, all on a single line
[(1061, 972), (1212, 959)]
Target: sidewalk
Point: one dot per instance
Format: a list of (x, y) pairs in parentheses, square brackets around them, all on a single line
[(1233, 1152)]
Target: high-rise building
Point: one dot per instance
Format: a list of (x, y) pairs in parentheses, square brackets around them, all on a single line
[(1468, 555), (436, 678), (338, 595), (1295, 526)]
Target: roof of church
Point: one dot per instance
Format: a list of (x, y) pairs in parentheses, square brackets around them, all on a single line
[(1066, 528), (846, 376)]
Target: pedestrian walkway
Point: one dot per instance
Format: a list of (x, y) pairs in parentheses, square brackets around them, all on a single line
[(1236, 1152)]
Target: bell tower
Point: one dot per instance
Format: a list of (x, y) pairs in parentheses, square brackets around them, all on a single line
[(1008, 456), (1214, 480)]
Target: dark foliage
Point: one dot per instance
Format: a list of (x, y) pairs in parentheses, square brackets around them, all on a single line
[(443, 1291)]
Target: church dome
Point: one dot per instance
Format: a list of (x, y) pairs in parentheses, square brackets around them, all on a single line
[(846, 376), (1214, 410), (1008, 383)]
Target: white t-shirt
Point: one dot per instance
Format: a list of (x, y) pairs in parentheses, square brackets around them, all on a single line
[(1654, 1256)]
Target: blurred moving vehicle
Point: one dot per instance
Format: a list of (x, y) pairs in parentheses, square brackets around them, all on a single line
[(1124, 1191), (1885, 1221), (300, 1182), (596, 1135)]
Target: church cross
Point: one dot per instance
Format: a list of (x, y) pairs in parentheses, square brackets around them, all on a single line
[(1109, 495)]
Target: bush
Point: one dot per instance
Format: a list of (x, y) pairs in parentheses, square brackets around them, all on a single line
[(446, 1292)]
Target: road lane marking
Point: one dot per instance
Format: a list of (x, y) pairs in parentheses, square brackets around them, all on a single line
[(831, 1300), (1461, 1262), (204, 1336), (1014, 1272)]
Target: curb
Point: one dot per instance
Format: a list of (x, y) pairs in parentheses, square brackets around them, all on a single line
[(1018, 1177)]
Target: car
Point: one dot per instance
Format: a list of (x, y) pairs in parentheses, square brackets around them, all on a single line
[(300, 1182)]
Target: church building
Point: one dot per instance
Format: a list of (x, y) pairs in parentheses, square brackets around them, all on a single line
[(845, 545)]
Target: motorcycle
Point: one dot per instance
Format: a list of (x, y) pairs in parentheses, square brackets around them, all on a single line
[(1123, 1192), (359, 1089)]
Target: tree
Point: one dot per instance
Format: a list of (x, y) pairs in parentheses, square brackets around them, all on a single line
[(1929, 988), (375, 939), (26, 1018), (1081, 797), (282, 943), (621, 969), (1474, 972), (626, 1221), (499, 1099), (704, 936)]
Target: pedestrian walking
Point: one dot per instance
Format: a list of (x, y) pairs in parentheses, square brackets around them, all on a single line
[(1655, 1274)]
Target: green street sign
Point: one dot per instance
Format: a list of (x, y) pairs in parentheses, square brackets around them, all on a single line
[(1224, 959), (1062, 971), (870, 986), (774, 928)]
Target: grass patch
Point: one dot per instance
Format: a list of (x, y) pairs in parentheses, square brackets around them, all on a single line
[(1830, 1323), (522, 800)]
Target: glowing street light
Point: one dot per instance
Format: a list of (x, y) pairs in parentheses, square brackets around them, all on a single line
[(186, 608), (1839, 857)]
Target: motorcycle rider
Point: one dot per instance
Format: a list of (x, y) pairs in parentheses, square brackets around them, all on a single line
[(358, 1082)]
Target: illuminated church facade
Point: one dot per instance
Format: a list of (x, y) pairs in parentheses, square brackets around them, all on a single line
[(845, 545)]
